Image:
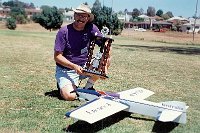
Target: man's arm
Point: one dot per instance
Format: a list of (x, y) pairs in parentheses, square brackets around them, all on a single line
[(60, 59)]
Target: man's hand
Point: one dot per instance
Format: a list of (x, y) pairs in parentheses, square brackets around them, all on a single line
[(78, 69)]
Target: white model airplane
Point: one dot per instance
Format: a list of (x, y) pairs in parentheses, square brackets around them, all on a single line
[(103, 104)]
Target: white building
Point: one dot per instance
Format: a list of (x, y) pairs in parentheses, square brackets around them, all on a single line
[(124, 17), (68, 16), (189, 27)]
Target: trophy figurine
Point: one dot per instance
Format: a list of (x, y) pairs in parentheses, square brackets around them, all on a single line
[(96, 63)]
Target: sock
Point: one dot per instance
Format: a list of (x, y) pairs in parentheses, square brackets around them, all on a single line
[(89, 84)]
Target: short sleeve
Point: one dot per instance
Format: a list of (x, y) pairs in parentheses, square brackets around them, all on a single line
[(95, 31), (60, 41)]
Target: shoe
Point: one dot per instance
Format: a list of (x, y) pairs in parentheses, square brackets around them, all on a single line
[(58, 87), (91, 88)]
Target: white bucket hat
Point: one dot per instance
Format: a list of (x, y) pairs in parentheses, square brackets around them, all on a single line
[(84, 9)]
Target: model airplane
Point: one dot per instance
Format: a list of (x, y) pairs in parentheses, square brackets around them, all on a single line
[(103, 104)]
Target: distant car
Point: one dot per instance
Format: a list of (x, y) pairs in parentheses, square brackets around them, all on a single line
[(195, 31), (140, 29), (159, 30)]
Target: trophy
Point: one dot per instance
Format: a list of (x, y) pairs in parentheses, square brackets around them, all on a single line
[(96, 63)]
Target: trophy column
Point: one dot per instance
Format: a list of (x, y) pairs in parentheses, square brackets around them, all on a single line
[(104, 59), (96, 64)]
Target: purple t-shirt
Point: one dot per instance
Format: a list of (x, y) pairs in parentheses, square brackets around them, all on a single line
[(74, 44)]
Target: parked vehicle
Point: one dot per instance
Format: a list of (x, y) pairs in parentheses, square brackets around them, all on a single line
[(159, 30), (197, 30), (140, 29)]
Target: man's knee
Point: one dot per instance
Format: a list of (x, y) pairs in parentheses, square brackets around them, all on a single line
[(67, 94)]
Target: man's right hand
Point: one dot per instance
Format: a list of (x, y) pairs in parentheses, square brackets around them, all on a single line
[(78, 69)]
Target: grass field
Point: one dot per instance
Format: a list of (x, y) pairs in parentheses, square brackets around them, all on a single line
[(28, 94)]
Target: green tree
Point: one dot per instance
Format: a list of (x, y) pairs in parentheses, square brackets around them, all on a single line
[(44, 7), (17, 10), (159, 13), (21, 19), (141, 11), (31, 5), (19, 14), (137, 19), (97, 5), (11, 23), (170, 14), (151, 11), (50, 18), (10, 3), (105, 17), (135, 13), (15, 3), (165, 16)]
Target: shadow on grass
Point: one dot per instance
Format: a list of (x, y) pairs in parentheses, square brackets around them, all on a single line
[(164, 127), (54, 93), (178, 50), (81, 126)]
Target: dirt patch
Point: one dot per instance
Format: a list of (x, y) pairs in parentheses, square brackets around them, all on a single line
[(168, 37), (33, 27), (2, 25), (30, 27)]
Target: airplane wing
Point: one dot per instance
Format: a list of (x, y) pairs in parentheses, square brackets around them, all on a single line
[(136, 93), (97, 109)]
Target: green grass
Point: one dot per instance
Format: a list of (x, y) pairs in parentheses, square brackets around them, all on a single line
[(27, 67)]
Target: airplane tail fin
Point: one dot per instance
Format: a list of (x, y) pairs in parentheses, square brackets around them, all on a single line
[(173, 111)]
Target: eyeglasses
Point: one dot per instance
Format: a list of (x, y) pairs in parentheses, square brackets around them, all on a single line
[(84, 16)]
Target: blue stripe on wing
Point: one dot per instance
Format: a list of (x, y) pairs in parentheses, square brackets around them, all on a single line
[(92, 92)]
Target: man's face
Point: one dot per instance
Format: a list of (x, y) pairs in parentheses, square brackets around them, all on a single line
[(81, 19)]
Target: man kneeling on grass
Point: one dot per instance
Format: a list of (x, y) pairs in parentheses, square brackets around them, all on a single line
[(71, 49)]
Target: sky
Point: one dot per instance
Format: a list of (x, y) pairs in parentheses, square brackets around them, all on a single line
[(185, 8)]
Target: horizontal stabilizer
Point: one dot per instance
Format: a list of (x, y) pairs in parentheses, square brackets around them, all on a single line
[(169, 115), (136, 93), (96, 110), (173, 111)]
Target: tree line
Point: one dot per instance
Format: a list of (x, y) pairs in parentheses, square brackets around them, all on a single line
[(151, 12), (51, 18)]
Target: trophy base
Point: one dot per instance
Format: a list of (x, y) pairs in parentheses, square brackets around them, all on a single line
[(94, 73)]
